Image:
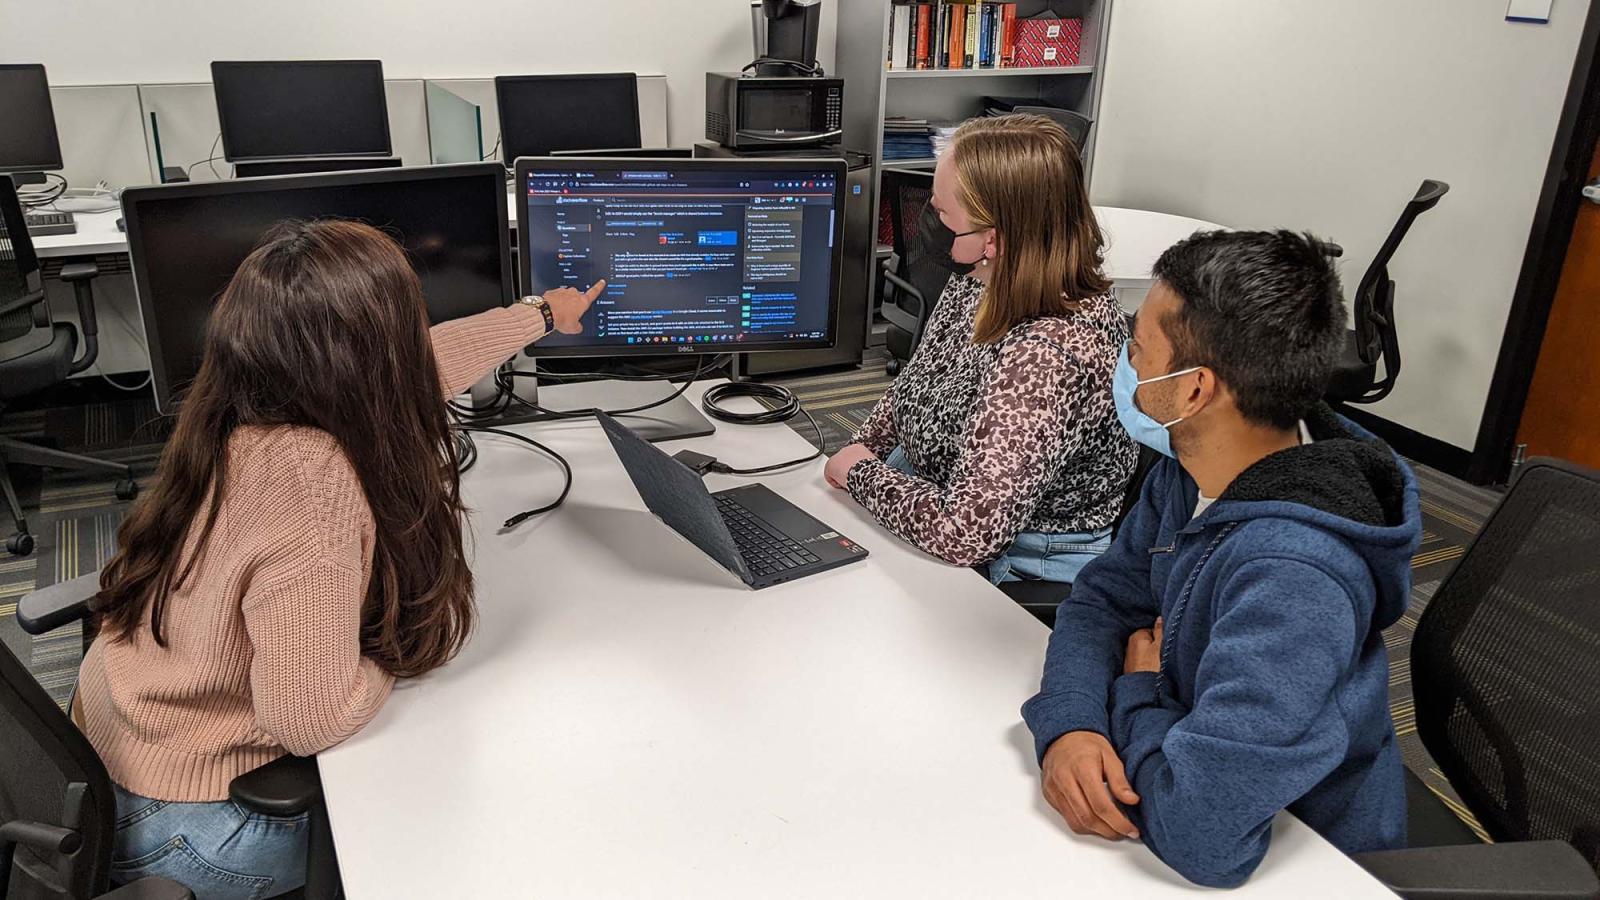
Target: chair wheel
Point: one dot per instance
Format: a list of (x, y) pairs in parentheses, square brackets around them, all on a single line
[(20, 544), (892, 367), (127, 489)]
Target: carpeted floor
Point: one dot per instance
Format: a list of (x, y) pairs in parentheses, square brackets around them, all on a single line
[(77, 515)]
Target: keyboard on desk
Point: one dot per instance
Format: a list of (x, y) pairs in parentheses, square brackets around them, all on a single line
[(47, 222), (765, 549)]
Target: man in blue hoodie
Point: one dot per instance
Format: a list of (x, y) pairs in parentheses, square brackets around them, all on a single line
[(1224, 660)]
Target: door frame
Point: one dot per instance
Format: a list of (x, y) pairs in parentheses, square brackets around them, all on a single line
[(1542, 262)]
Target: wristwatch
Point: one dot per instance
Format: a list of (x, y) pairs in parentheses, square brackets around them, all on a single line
[(543, 306)]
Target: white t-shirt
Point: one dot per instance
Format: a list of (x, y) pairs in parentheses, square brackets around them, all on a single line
[(1203, 503)]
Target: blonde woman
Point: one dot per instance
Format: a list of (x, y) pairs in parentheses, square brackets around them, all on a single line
[(999, 443)]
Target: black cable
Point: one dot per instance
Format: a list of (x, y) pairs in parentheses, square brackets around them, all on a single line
[(212, 157), (788, 406), (493, 151), (45, 197), (466, 451), (506, 382), (566, 469)]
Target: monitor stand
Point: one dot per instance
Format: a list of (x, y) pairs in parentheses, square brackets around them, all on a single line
[(674, 420)]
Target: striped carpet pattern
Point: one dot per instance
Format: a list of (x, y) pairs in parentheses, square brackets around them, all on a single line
[(75, 518)]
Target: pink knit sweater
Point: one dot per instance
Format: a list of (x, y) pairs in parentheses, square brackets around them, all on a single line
[(263, 650)]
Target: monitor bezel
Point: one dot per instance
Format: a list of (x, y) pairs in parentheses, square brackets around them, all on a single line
[(132, 197), (506, 151), (55, 162), (835, 166), (222, 116)]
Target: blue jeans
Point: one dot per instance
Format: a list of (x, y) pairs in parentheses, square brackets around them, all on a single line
[(1033, 555), (216, 850)]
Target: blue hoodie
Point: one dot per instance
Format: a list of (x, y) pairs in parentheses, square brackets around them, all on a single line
[(1273, 690)]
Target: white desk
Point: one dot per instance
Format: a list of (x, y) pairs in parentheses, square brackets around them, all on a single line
[(630, 721), (1135, 238), (97, 233)]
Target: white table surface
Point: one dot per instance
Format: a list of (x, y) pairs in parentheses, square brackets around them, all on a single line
[(629, 720), (97, 233), (1135, 237)]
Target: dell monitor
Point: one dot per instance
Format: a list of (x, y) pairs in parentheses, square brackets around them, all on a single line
[(186, 241), (28, 141), (704, 256), (273, 110), (540, 114)]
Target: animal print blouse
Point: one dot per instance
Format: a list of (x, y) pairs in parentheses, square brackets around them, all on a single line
[(1019, 435)]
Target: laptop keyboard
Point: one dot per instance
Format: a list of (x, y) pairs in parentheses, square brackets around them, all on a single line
[(765, 550)]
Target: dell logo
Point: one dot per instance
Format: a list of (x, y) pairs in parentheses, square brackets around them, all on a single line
[(686, 349)]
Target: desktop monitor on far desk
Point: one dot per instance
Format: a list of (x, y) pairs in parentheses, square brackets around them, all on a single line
[(186, 241), (543, 114), (29, 145), (277, 110), (699, 256)]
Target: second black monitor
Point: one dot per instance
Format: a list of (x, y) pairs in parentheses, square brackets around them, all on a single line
[(273, 110), (540, 114), (699, 255), (28, 141)]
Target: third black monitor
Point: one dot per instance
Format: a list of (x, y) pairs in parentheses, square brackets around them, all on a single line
[(272, 110), (540, 114)]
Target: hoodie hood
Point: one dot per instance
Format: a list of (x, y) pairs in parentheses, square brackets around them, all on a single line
[(1346, 482)]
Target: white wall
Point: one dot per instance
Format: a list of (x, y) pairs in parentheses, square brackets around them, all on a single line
[(1325, 116), (144, 41)]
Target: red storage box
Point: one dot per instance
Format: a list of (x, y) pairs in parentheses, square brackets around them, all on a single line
[(1048, 42)]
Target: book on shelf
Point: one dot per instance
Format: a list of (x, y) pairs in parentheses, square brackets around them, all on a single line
[(952, 34)]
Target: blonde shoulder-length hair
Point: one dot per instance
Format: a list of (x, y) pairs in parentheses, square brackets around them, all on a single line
[(1021, 175)]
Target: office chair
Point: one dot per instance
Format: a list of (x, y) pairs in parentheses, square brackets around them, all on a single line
[(1355, 376), (1042, 598), (283, 788), (1505, 666), (36, 354), (57, 812), (917, 279)]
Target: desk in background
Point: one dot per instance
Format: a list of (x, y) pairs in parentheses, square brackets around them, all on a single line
[(628, 720)]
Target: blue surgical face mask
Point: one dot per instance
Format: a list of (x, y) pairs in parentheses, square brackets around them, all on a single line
[(1147, 431)]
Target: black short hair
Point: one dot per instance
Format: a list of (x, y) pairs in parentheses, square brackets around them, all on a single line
[(1262, 309)]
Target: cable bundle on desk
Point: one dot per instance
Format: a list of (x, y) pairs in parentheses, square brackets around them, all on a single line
[(788, 406)]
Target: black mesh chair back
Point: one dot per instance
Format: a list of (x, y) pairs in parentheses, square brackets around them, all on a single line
[(909, 193), (1374, 338), (1076, 124), (51, 783), (20, 287), (1506, 663)]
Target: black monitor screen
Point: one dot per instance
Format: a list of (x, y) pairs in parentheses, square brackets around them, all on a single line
[(325, 108), (187, 240), (28, 141), (543, 113), (698, 255)]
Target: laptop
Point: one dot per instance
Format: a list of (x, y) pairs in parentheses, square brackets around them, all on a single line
[(754, 533)]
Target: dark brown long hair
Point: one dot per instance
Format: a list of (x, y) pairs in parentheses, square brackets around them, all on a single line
[(322, 326), (1021, 175)]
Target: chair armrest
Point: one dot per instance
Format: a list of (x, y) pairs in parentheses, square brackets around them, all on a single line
[(81, 275), (284, 787), (152, 887), (1526, 870), (49, 608)]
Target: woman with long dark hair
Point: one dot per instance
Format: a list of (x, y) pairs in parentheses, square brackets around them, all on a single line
[(300, 549)]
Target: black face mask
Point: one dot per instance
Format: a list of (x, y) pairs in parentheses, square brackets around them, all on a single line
[(937, 239)]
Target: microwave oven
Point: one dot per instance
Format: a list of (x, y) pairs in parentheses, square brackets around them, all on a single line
[(752, 112)]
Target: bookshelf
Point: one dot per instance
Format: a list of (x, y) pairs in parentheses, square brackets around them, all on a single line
[(872, 91)]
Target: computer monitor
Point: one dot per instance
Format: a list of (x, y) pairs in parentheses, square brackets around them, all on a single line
[(699, 255), (310, 165), (271, 110), (632, 152), (28, 139), (540, 114), (186, 241)]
